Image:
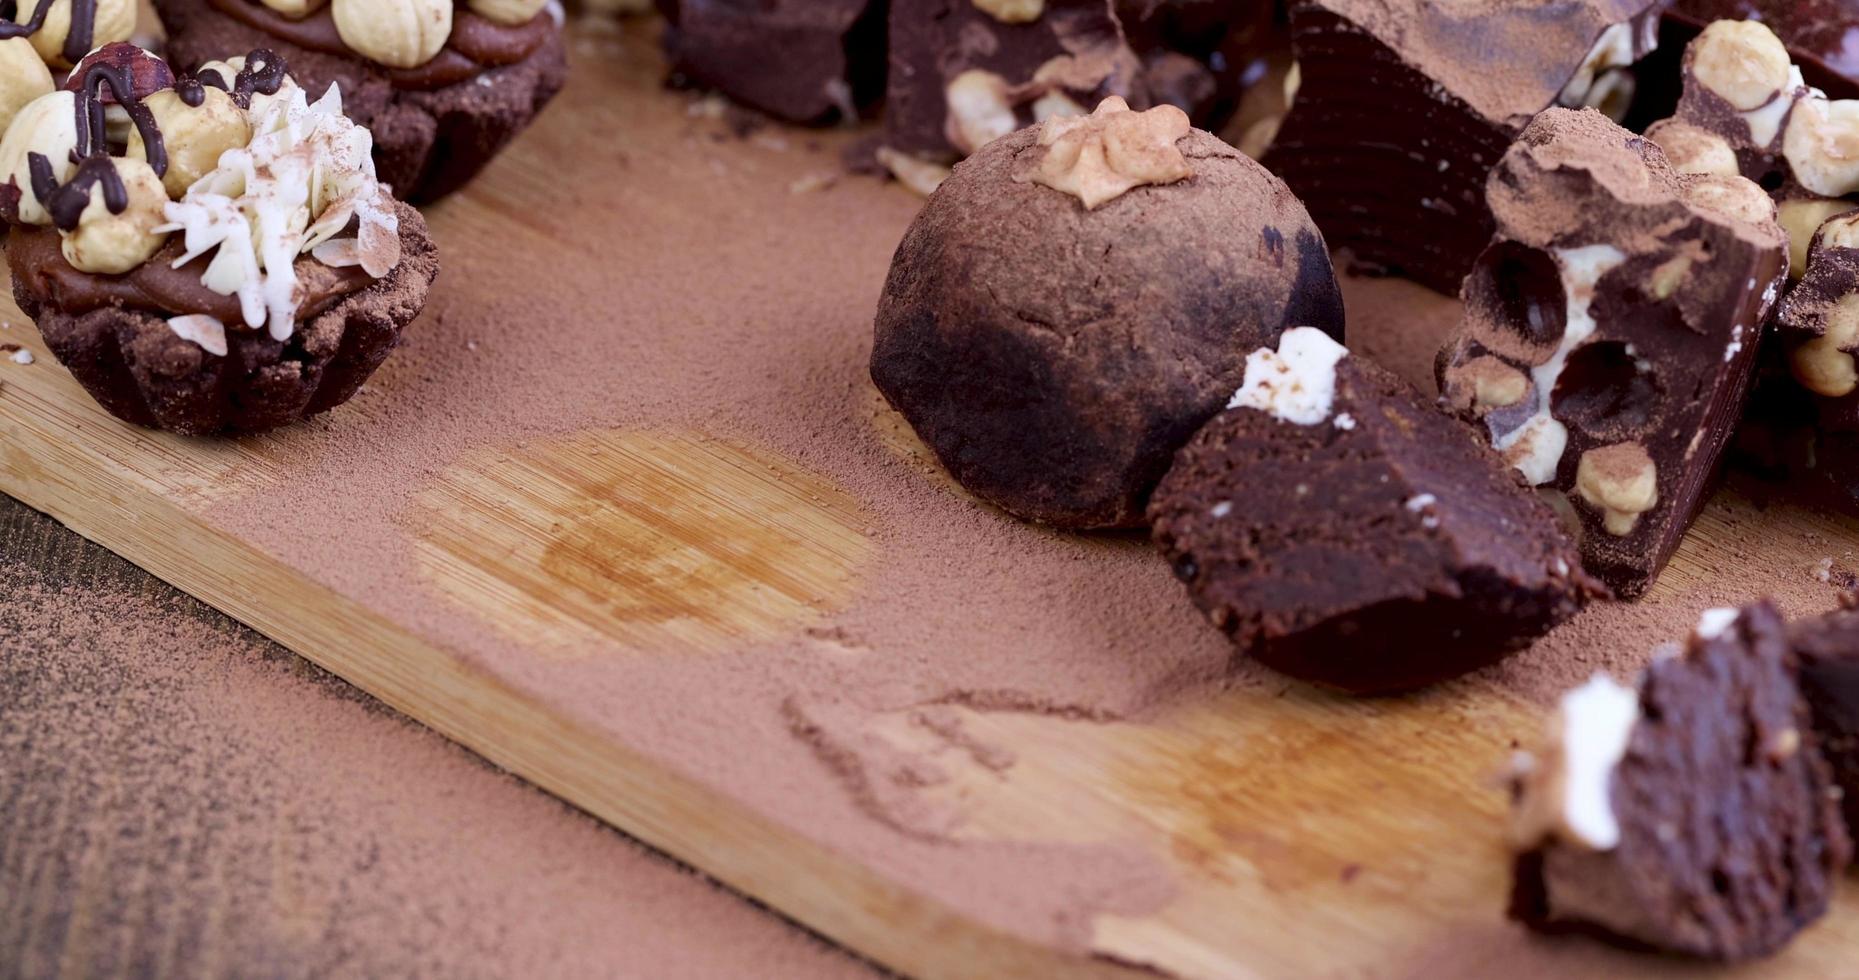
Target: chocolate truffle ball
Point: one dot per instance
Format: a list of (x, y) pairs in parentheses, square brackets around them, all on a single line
[(1695, 815), (1079, 297), (1345, 532)]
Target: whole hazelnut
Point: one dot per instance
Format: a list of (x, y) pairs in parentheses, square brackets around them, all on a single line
[(195, 136), (1621, 481), (1741, 61), (112, 244), (295, 9), (1824, 365), (510, 13), (1736, 197), (395, 33), (145, 72), (23, 77), (1821, 145), (115, 20), (1694, 150), (979, 110), (1012, 11), (1801, 218), (46, 125)]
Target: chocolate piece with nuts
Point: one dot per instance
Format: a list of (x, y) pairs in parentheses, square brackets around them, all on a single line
[(1817, 33), (1695, 815), (1345, 532), (964, 72), (1064, 313), (805, 61), (1611, 330), (1401, 112)]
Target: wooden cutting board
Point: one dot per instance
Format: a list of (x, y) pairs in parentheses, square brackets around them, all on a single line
[(1298, 834)]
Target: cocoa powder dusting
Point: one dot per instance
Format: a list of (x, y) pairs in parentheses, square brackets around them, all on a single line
[(180, 796)]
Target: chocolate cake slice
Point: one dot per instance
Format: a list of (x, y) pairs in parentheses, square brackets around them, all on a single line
[(805, 61), (443, 90), (1405, 105), (1344, 532), (1696, 815), (1611, 330)]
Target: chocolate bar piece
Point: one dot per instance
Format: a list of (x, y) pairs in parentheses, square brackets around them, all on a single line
[(1201, 55), (964, 72), (1695, 815), (805, 61), (1611, 329), (1344, 532), (1404, 108)]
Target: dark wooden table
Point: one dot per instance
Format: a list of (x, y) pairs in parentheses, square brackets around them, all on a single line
[(179, 795)]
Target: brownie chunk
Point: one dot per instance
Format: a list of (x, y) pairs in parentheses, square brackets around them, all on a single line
[(1611, 331), (1696, 817), (1401, 113), (964, 72), (1828, 648), (1344, 532), (805, 61), (1057, 322)]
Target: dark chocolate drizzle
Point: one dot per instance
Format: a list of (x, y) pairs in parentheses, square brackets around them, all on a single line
[(66, 202), (78, 41), (263, 74)]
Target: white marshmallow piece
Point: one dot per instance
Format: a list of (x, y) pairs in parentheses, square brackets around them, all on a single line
[(1296, 383)]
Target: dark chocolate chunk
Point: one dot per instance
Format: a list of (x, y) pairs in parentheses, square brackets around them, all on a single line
[(1344, 532), (1054, 355), (1611, 331), (1697, 817), (1405, 106), (964, 72), (1828, 647), (1201, 55), (435, 127), (805, 61)]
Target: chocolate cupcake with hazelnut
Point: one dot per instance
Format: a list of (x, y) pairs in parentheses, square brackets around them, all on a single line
[(207, 254), (443, 86)]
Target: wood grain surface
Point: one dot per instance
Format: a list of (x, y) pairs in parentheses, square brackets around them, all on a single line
[(1301, 835)]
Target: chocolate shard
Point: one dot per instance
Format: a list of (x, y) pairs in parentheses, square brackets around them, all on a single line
[(805, 61), (965, 72), (1202, 55), (1345, 532), (1022, 332), (1611, 331), (1695, 815), (1828, 648), (1402, 112)]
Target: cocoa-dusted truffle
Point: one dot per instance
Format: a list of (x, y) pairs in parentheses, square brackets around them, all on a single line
[(1696, 815), (1344, 532), (442, 101), (805, 61), (1611, 330), (1079, 297), (1405, 105), (155, 276)]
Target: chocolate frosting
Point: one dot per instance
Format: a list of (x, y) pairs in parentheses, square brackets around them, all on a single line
[(38, 263), (476, 43)]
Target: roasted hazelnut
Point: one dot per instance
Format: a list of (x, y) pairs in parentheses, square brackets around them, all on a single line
[(1735, 197), (114, 20), (1621, 481), (1694, 150), (1743, 62), (23, 77), (1821, 145), (1824, 365), (112, 244), (395, 33), (510, 13), (47, 125), (295, 9), (1801, 218), (979, 110), (146, 73), (1012, 11), (195, 136)]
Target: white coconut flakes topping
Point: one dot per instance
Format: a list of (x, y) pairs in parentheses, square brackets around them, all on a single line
[(306, 176)]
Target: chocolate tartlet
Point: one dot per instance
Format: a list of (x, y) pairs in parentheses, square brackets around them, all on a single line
[(1611, 330), (443, 90), (1079, 297), (1695, 816), (1402, 111), (238, 269), (1344, 532), (805, 61)]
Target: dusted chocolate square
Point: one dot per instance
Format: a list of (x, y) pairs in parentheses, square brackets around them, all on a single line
[(1611, 330), (1405, 105), (805, 61)]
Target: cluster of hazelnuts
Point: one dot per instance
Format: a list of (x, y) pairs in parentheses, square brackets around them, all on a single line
[(404, 33)]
